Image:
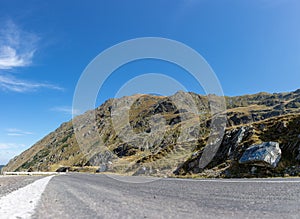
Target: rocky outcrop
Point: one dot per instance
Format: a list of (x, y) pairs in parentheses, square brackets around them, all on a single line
[(264, 154), (102, 168), (239, 141)]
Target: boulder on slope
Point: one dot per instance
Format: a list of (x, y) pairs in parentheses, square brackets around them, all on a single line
[(265, 154)]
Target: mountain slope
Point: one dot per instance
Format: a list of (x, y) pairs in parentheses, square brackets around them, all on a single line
[(161, 136), (1, 166)]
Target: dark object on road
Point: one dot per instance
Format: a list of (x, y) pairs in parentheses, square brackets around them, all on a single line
[(265, 154), (63, 169)]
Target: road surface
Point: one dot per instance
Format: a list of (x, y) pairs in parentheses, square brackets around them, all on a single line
[(100, 196)]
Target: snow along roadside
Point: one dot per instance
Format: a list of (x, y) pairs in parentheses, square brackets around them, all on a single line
[(22, 202)]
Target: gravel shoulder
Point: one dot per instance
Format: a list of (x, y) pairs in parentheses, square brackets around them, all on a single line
[(9, 184)]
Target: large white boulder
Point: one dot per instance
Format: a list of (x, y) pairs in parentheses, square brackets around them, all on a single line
[(264, 154)]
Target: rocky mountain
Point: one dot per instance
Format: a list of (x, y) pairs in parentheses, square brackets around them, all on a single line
[(175, 135)]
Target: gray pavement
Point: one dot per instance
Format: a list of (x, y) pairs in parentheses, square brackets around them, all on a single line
[(99, 196)]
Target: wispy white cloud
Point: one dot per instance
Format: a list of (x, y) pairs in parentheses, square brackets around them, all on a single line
[(9, 150), (66, 109), (10, 59), (17, 132), (11, 83), (5, 146), (17, 48)]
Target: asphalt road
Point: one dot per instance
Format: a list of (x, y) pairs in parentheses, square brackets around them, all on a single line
[(99, 196)]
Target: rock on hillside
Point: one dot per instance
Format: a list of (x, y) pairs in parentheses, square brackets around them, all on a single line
[(264, 154), (156, 135), (284, 130)]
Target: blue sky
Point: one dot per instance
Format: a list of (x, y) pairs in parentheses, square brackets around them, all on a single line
[(252, 46)]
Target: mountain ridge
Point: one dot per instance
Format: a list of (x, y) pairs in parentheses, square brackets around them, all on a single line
[(152, 151)]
